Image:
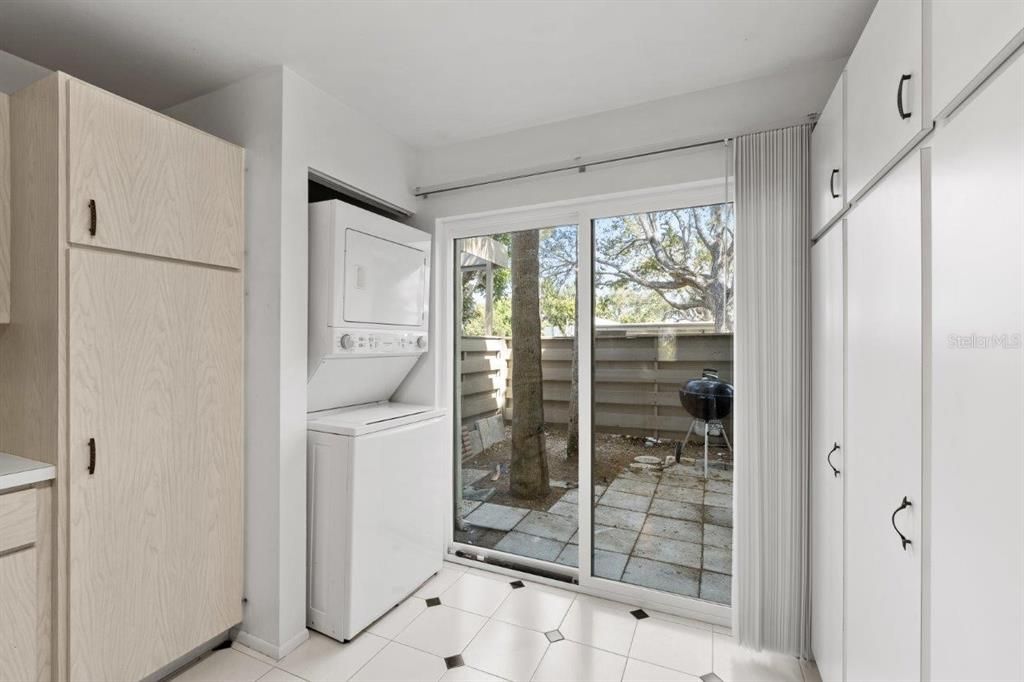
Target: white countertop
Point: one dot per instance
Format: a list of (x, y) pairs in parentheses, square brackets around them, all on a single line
[(18, 471)]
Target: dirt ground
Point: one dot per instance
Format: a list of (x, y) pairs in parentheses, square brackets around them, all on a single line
[(613, 454)]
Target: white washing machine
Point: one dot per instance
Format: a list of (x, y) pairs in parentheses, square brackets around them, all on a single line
[(375, 467), (375, 511)]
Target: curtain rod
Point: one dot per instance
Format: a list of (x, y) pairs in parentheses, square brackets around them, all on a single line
[(581, 166)]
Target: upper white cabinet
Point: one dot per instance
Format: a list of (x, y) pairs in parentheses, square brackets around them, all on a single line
[(883, 448), (977, 378), (828, 175), (969, 40), (827, 464), (884, 81)]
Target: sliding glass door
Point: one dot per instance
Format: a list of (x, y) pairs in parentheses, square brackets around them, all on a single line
[(517, 469), (662, 335), (591, 385)]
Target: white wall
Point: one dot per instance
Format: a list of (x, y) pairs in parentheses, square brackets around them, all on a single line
[(288, 127), (16, 73), (775, 101)]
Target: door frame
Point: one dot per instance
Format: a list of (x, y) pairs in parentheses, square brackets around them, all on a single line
[(580, 212)]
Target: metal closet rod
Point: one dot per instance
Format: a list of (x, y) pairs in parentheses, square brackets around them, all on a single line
[(581, 166)]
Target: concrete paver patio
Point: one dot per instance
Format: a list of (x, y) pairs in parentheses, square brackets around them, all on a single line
[(669, 530)]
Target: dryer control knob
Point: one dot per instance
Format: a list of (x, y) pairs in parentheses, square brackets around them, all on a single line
[(421, 342), (346, 342)]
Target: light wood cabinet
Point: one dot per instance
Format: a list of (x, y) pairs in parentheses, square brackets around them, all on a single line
[(142, 182), (123, 366), (976, 513), (154, 370), (970, 38), (18, 615), (827, 463), (25, 584), (883, 448), (885, 113), (828, 166)]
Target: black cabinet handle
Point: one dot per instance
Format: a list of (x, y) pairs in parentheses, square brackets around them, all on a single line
[(92, 456), (832, 183), (835, 446), (92, 217), (899, 96), (903, 505)]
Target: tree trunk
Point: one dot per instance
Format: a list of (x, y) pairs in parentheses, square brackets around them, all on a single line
[(529, 467), (572, 435)]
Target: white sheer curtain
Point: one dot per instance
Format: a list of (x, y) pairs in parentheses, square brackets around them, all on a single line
[(771, 608)]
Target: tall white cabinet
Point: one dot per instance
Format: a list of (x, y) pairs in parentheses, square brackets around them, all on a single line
[(976, 477), (827, 454), (883, 430)]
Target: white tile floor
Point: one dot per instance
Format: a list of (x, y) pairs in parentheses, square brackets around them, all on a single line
[(500, 633)]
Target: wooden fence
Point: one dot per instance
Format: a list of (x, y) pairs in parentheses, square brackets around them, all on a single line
[(637, 378)]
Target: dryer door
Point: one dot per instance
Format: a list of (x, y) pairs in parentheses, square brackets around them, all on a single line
[(385, 281)]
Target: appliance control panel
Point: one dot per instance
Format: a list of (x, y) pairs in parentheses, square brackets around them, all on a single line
[(376, 342)]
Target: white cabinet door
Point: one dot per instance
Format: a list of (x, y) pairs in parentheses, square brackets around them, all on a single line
[(882, 456), (826, 461), (827, 173), (884, 114), (969, 39), (976, 514)]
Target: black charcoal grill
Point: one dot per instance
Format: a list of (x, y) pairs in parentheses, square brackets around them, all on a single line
[(709, 401)]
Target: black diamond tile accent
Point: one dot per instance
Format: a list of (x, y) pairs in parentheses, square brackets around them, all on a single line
[(639, 614), (433, 601), (516, 584), (554, 636), (454, 661)]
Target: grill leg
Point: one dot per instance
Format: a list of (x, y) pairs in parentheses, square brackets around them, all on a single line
[(705, 451), (686, 440), (725, 436)]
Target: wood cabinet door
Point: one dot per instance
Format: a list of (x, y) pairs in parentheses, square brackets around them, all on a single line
[(827, 525), (18, 615), (883, 74), (969, 40), (882, 453), (155, 384), (140, 181), (828, 175), (977, 391)]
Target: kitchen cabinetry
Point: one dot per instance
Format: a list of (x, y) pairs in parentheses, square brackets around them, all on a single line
[(885, 112), (969, 41), (826, 465), (123, 367), (828, 170), (977, 387)]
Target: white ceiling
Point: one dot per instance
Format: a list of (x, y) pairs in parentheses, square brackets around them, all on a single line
[(441, 71)]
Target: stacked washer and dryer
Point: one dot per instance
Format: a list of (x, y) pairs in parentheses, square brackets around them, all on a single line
[(375, 467)]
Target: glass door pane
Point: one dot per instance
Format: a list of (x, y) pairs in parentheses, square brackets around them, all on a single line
[(516, 475), (662, 371)]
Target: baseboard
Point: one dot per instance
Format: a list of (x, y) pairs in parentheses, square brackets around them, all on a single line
[(264, 647)]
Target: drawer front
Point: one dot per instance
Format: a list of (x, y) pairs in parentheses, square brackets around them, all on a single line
[(17, 519), (139, 181)]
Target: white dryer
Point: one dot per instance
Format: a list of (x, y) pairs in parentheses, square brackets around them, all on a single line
[(375, 467)]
